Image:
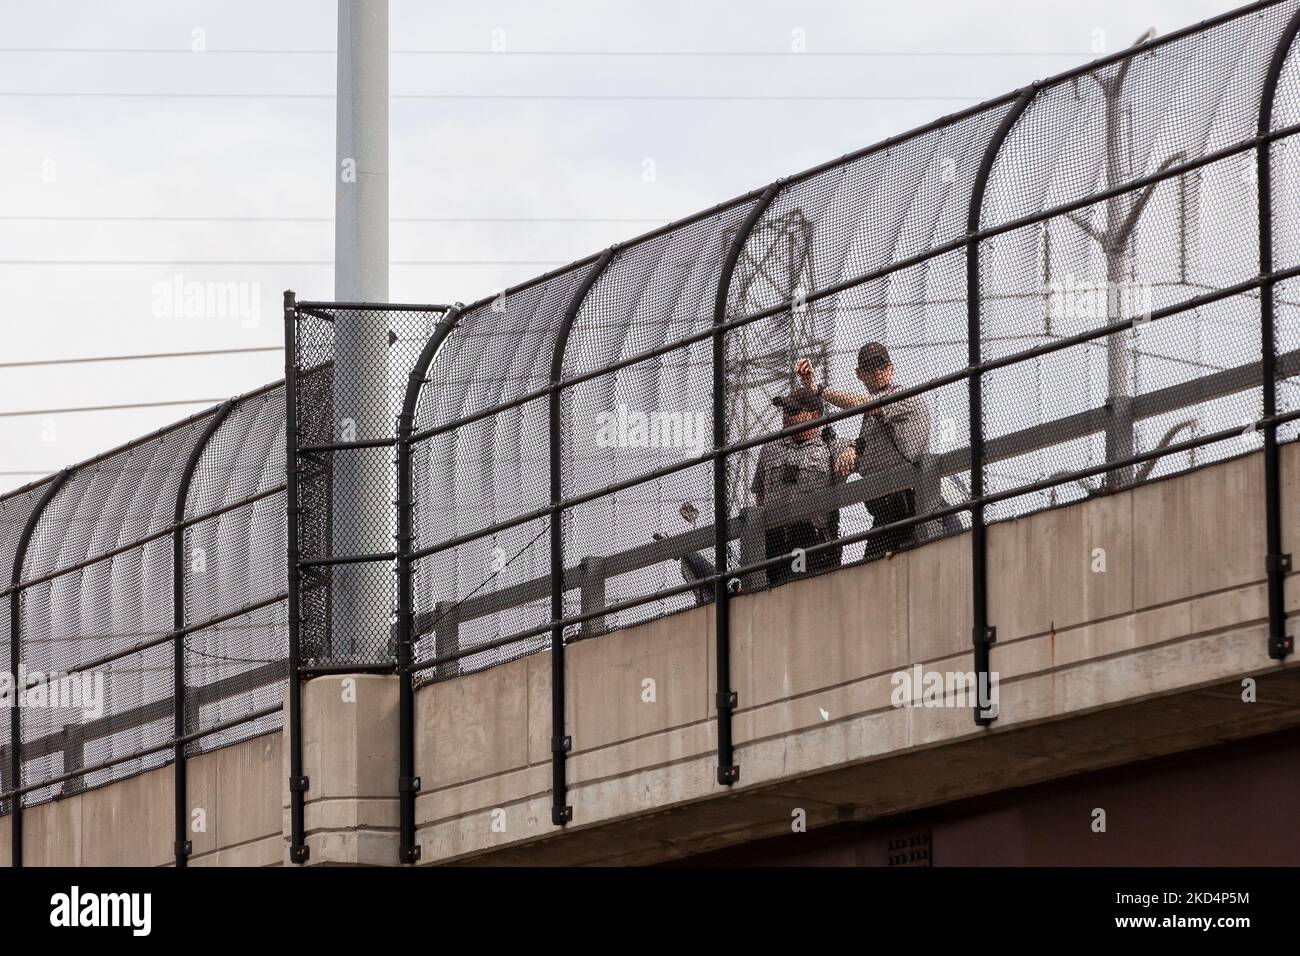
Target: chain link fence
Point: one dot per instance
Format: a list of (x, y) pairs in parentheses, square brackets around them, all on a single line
[(1081, 286), (1106, 222), (146, 615)]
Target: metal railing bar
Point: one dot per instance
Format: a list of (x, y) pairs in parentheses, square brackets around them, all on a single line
[(162, 638), (965, 372), (372, 307), (335, 560), (147, 539), (348, 445), (953, 461), (226, 688), (146, 752), (935, 514)]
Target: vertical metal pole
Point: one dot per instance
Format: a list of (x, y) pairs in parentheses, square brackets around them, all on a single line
[(15, 662), (728, 771), (1277, 564), (361, 347), (561, 743), (982, 635), (298, 850), (183, 846), (361, 153), (408, 784)]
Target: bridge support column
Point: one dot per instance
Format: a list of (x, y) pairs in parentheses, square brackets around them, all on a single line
[(350, 766)]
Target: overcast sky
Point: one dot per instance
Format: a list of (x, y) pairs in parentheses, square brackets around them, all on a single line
[(151, 144)]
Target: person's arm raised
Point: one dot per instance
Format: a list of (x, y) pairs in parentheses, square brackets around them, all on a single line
[(840, 399)]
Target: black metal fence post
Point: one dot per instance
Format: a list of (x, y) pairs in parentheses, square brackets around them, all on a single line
[(982, 634), (15, 662), (728, 771), (561, 743), (408, 784), (298, 850), (183, 845), (1276, 563)]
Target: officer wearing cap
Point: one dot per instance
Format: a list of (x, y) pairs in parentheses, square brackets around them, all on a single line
[(892, 435), (791, 470)]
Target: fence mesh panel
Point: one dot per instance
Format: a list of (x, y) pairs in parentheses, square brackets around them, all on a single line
[(1088, 226), (353, 366), (650, 415), (102, 609), (16, 510), (233, 561), (486, 472), (96, 606)]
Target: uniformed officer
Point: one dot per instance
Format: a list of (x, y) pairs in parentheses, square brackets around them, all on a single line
[(790, 470), (892, 435)]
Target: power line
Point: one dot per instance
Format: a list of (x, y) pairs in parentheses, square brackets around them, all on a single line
[(330, 219), (597, 97), (110, 408), (785, 54), (273, 262), (131, 358)]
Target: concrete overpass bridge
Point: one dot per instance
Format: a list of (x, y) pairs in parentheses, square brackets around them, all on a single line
[(1154, 656), (419, 604)]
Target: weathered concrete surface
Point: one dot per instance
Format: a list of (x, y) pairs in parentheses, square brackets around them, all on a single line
[(1125, 626), (349, 745), (131, 823), (235, 790)]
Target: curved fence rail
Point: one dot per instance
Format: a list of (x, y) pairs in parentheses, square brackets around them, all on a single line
[(146, 607), (1081, 286)]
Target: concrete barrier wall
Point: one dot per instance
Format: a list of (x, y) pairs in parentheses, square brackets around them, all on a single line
[(234, 803), (1119, 599)]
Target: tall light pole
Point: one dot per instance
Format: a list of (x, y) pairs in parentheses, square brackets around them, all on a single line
[(362, 498)]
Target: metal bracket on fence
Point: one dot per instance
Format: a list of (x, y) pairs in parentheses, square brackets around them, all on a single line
[(1280, 643), (726, 702), (561, 813)]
